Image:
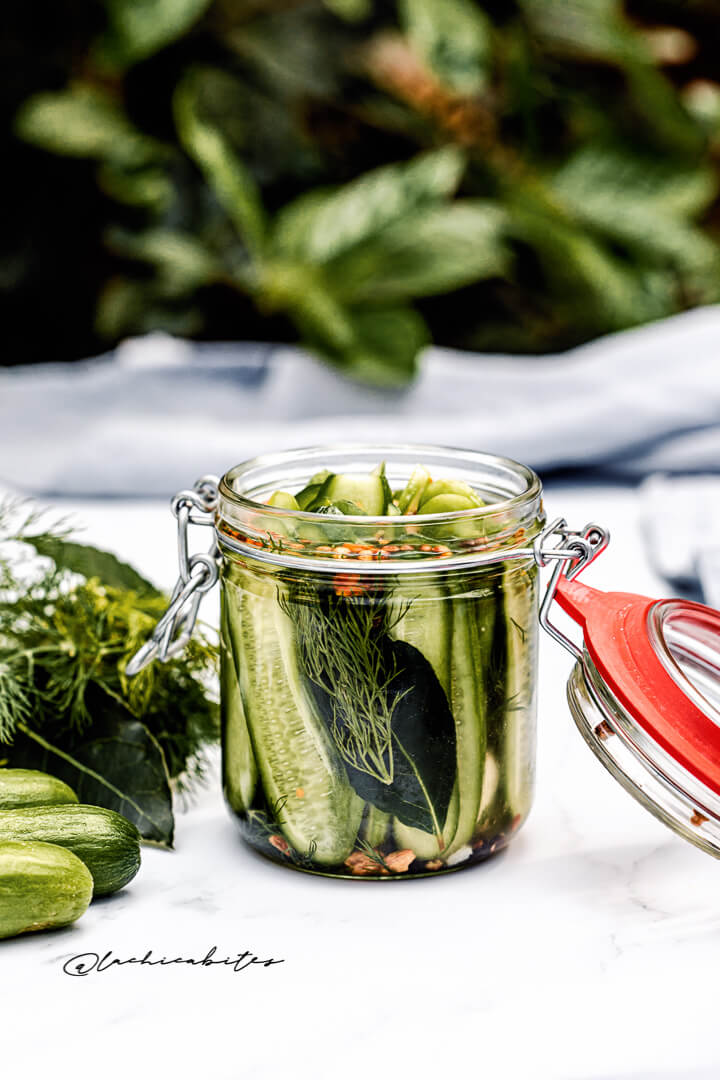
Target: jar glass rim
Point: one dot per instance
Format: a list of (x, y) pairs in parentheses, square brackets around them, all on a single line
[(700, 631), (532, 485)]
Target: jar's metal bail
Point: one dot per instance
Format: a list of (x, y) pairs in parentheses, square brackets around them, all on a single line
[(196, 575)]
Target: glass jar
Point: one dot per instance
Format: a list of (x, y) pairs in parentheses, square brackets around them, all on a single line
[(378, 675)]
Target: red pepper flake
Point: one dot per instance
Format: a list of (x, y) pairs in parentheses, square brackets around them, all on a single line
[(280, 843), (348, 585), (698, 819)]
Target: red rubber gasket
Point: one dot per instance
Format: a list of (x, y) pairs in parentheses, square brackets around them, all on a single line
[(616, 637)]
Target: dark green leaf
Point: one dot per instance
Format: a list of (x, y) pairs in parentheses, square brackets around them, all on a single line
[(431, 251), (605, 173), (148, 187), (599, 30), (90, 562), (352, 10), (117, 764), (322, 224), (644, 203), (226, 174), (378, 346), (84, 122), (182, 261), (453, 37), (423, 738), (590, 29), (583, 275), (139, 28)]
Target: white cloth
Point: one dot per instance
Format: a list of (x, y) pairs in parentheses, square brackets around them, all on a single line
[(680, 520), (151, 417)]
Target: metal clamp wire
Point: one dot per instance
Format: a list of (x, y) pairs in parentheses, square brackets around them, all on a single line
[(580, 550), (196, 575)]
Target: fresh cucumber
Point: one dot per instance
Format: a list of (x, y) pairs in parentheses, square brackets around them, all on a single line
[(490, 787), (107, 843), (283, 500), (379, 471), (426, 624), (448, 487), (28, 787), (304, 781), (447, 504), (365, 491), (313, 492), (376, 826), (42, 886), (409, 498), (238, 761), (520, 602), (473, 618)]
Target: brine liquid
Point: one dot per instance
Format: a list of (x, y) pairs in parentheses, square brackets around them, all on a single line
[(379, 731)]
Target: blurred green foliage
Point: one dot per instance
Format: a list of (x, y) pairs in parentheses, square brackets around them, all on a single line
[(367, 175)]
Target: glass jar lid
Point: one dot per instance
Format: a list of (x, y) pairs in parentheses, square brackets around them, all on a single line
[(645, 694)]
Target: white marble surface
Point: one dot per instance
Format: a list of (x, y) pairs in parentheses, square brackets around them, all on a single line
[(589, 950)]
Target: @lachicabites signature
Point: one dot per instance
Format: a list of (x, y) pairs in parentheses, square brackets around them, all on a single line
[(89, 962)]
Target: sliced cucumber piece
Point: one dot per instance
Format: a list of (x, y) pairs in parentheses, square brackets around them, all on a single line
[(284, 500), (238, 761), (365, 491), (376, 826), (301, 773), (409, 498), (520, 602), (491, 781), (379, 470), (427, 625), (342, 508), (447, 504), (314, 490), (449, 487), (472, 629)]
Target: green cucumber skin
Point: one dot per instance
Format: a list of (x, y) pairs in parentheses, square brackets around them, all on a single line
[(291, 747), (42, 887), (366, 491), (473, 615), (29, 787), (520, 607), (239, 768), (106, 842), (427, 624), (376, 826)]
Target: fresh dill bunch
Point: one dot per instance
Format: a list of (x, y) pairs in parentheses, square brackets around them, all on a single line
[(68, 626)]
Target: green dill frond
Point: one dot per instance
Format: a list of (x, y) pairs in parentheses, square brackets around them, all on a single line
[(65, 639), (340, 649)]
